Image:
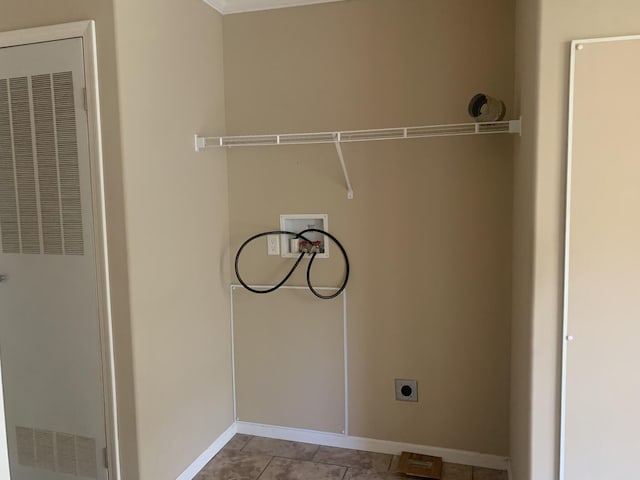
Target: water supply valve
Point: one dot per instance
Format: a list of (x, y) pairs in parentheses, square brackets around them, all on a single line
[(311, 247)]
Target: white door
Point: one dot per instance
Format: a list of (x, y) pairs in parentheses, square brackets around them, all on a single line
[(602, 400), (50, 352)]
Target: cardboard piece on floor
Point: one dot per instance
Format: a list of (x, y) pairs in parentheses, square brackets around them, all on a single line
[(417, 465)]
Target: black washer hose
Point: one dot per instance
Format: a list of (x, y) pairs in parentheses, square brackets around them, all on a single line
[(295, 265)]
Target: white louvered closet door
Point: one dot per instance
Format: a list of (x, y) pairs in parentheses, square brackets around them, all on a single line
[(50, 354)]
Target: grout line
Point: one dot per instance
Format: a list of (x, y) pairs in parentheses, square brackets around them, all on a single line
[(315, 453), (294, 459), (316, 462), (265, 467), (251, 437), (333, 464)]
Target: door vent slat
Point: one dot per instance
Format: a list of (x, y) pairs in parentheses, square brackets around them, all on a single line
[(68, 162), (47, 164), (40, 207), (25, 170), (57, 452), (9, 229), (26, 446), (45, 456), (66, 453)]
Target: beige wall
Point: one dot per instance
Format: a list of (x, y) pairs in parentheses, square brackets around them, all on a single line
[(429, 229), (302, 335), (171, 87), (560, 22), (17, 14), (526, 98)]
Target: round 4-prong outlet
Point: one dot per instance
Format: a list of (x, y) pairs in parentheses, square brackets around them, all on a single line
[(406, 390)]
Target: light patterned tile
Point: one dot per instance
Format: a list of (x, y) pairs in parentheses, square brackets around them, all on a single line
[(456, 471), (281, 448), (287, 469), (359, 474), (238, 442), (252, 458), (234, 465), (353, 458), (488, 474)]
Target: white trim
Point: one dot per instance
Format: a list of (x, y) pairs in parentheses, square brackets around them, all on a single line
[(49, 33), (219, 5), (86, 31), (226, 7), (206, 456), (101, 247), (286, 287), (567, 238), (605, 39), (4, 449), (345, 350), (233, 354), (372, 445)]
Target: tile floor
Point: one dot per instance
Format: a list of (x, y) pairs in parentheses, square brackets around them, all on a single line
[(257, 458)]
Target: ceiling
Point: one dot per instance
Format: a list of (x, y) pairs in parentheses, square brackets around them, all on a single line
[(237, 6)]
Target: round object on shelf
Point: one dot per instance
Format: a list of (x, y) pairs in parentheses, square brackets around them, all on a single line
[(483, 108)]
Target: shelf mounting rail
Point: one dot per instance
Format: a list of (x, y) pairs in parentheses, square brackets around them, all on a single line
[(449, 130)]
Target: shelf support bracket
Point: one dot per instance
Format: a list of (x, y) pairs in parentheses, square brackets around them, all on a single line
[(515, 126), (336, 141)]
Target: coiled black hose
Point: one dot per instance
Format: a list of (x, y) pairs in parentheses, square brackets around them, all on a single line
[(298, 260)]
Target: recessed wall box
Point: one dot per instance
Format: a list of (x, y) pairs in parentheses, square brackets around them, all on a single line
[(291, 247), (406, 390)]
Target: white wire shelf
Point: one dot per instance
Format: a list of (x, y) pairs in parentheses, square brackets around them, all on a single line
[(454, 129), (448, 130)]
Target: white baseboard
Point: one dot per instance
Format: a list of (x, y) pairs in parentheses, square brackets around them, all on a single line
[(371, 445), (208, 454)]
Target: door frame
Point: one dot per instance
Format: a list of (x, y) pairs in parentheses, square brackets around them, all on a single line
[(86, 31), (566, 335)]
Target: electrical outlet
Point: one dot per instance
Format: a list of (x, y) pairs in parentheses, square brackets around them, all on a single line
[(273, 245), (406, 390)]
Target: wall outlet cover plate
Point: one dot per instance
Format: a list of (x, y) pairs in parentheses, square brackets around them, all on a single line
[(406, 390)]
